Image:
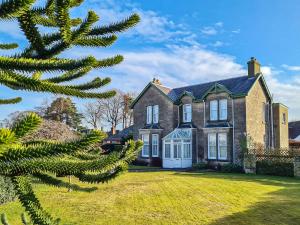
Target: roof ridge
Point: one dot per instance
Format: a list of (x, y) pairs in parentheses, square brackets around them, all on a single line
[(210, 82), (162, 86)]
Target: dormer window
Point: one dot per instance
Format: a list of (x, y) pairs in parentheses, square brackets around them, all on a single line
[(218, 110), (187, 113), (152, 114)]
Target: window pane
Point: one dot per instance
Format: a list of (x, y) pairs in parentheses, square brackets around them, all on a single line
[(223, 109), (222, 138), (155, 145), (214, 110), (155, 114), (212, 146), (187, 150), (149, 114), (145, 150), (187, 113), (167, 151)]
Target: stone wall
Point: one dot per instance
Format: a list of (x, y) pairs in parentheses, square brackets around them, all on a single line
[(281, 128), (256, 125)]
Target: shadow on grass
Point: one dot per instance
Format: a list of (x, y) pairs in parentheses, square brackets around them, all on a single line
[(74, 187), (279, 207)]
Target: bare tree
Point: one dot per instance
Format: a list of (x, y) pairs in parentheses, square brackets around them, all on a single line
[(112, 110), (93, 114), (127, 112)]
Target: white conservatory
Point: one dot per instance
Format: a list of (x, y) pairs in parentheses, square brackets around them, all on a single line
[(177, 149)]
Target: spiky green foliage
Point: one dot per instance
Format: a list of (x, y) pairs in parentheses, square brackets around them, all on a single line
[(25, 71), (41, 159), (23, 162)]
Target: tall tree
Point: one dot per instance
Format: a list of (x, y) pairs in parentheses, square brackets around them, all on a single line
[(64, 110), (20, 161), (112, 110)]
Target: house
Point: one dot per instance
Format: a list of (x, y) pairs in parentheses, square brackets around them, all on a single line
[(206, 122), (294, 134), (119, 137)]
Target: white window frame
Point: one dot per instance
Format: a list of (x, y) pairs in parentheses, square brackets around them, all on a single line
[(208, 145), (223, 104), (187, 113), (187, 143), (149, 114), (219, 146), (145, 144), (155, 143), (213, 102), (170, 149), (155, 113)]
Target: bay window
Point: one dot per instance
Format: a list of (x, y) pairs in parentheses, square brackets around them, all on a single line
[(217, 146), (155, 145), (145, 150), (187, 113)]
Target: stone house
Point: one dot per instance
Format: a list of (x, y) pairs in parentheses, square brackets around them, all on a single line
[(206, 122)]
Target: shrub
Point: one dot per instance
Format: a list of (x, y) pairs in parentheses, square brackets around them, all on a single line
[(200, 166), (139, 162), (7, 192), (231, 168), (275, 168)]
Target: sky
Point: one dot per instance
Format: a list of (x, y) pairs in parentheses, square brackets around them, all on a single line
[(188, 42)]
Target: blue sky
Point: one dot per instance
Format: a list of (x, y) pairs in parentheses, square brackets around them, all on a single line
[(192, 41)]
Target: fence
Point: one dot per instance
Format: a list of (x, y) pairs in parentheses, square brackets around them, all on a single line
[(282, 162)]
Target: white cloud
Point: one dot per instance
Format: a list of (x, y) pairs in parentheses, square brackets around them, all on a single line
[(284, 91), (209, 31), (217, 44), (219, 24), (291, 68), (237, 31)]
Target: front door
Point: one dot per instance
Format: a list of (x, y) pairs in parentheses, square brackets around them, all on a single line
[(177, 154)]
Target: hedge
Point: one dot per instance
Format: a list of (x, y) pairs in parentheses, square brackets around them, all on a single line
[(275, 168), (7, 192)]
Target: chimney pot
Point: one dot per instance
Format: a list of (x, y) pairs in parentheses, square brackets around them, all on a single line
[(253, 67), (156, 81)]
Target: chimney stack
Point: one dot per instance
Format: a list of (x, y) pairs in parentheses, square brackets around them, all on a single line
[(253, 67), (156, 81)]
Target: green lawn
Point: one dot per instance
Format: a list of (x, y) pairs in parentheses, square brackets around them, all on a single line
[(174, 198)]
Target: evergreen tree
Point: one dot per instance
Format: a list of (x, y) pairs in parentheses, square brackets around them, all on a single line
[(65, 111), (20, 161)]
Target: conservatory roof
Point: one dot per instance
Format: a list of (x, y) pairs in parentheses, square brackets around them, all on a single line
[(179, 133)]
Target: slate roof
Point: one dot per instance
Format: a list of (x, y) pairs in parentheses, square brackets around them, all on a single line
[(294, 129), (237, 86), (121, 134)]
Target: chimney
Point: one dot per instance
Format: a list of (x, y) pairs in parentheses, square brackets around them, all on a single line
[(253, 67), (113, 130), (156, 81)]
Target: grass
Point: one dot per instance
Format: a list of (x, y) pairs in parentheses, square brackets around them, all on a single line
[(174, 198)]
